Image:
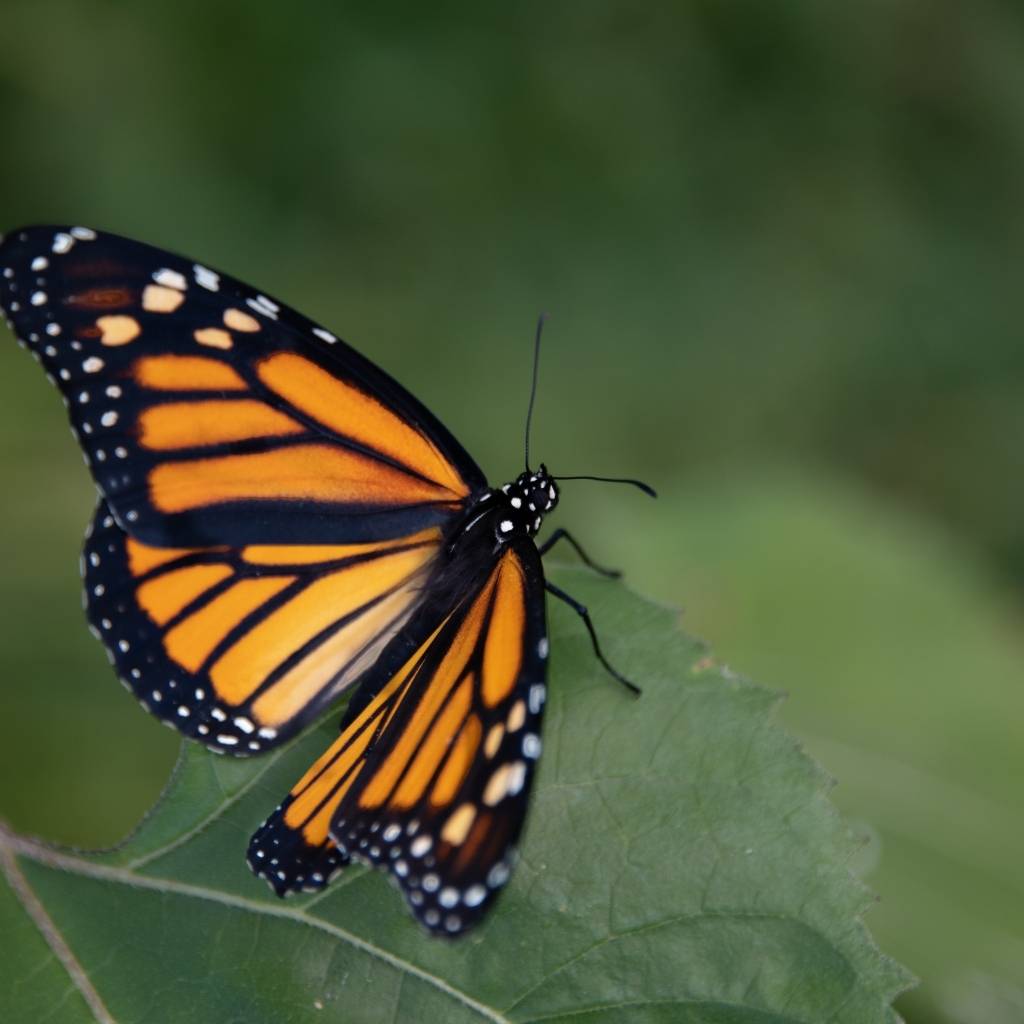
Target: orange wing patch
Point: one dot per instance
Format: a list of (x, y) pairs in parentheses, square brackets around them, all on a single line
[(351, 413), (333, 597), (194, 639), (299, 436), (459, 760), (166, 596), (439, 740), (503, 650), (316, 796), (195, 424), (142, 557), (186, 373), (307, 472), (269, 634), (118, 330), (425, 730), (297, 554)]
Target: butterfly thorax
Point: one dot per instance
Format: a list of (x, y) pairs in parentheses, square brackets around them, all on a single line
[(515, 509)]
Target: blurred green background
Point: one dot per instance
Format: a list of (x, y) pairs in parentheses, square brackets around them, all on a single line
[(782, 245)]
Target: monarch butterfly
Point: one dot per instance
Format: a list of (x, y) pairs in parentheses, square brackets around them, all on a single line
[(279, 521)]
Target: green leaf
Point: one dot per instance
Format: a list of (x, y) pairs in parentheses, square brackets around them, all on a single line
[(681, 864), (901, 649)]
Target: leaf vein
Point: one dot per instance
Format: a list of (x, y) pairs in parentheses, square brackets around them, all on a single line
[(11, 844), (50, 933)]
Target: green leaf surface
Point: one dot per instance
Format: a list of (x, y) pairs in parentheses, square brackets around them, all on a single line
[(681, 864), (901, 649)]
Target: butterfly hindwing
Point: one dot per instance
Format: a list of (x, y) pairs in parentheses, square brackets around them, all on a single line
[(239, 647), (430, 777), (211, 414)]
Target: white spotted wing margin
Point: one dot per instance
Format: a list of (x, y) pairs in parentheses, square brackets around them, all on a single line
[(430, 778)]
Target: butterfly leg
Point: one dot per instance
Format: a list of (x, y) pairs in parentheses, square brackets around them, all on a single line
[(561, 534), (581, 611)]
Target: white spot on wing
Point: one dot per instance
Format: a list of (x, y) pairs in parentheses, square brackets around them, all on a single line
[(474, 895), (516, 777), (497, 876), (263, 306), (206, 278), (170, 279)]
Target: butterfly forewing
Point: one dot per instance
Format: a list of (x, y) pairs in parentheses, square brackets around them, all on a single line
[(212, 414), (430, 777)]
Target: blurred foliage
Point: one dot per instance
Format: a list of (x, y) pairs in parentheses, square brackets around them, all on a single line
[(806, 214)]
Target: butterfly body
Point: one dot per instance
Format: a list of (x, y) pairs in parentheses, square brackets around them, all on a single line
[(515, 510), (280, 523)]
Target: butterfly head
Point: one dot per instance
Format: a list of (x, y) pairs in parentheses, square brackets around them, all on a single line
[(530, 497)]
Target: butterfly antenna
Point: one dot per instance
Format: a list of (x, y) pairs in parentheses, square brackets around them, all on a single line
[(533, 386), (646, 488)]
